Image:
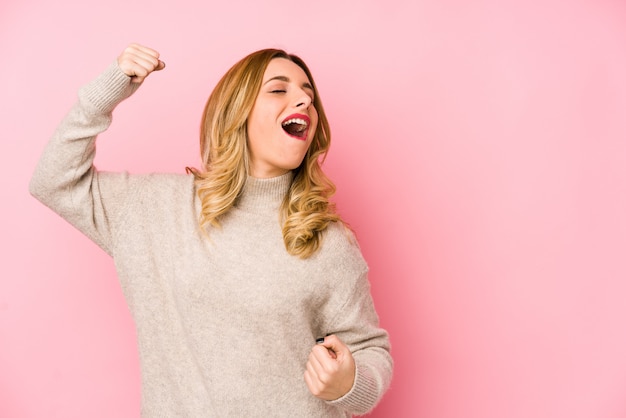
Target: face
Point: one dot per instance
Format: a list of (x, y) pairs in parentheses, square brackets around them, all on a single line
[(282, 123)]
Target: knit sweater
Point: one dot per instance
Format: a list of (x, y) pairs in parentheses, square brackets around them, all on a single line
[(226, 320)]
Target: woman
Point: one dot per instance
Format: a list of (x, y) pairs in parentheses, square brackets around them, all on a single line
[(249, 296)]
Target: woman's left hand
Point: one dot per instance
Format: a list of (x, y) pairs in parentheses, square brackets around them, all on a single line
[(330, 369)]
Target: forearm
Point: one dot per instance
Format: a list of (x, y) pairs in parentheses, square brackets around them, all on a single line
[(372, 379), (65, 179), (357, 325), (374, 368)]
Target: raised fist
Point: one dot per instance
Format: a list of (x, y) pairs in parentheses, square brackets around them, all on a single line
[(138, 62)]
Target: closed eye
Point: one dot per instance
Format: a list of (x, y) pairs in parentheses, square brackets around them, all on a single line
[(278, 91)]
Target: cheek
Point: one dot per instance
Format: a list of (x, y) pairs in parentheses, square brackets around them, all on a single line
[(314, 124), (255, 126)]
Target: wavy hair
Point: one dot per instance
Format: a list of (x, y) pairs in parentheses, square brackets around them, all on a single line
[(306, 210)]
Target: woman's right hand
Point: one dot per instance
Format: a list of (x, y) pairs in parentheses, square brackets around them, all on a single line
[(138, 62)]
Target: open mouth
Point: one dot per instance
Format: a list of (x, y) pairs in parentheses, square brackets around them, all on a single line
[(296, 126)]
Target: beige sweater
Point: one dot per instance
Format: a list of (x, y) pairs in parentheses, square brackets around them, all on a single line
[(224, 324)]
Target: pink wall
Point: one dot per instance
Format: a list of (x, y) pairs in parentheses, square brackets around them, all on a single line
[(480, 153)]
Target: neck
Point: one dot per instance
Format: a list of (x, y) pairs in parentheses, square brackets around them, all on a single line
[(264, 193)]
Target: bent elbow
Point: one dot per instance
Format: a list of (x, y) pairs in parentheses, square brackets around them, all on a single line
[(37, 189)]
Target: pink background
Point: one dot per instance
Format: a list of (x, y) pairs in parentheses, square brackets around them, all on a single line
[(479, 151)]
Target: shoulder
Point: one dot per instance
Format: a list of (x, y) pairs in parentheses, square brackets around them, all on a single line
[(164, 179), (165, 183), (163, 187), (340, 249), (160, 202)]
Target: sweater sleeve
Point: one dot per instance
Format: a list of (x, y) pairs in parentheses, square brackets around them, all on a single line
[(357, 326), (65, 179)]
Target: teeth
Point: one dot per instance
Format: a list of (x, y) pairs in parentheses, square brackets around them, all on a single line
[(295, 120)]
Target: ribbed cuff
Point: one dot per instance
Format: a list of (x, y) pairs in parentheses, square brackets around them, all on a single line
[(108, 89), (363, 396)]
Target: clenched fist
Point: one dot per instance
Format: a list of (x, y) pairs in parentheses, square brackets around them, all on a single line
[(138, 62), (330, 370)]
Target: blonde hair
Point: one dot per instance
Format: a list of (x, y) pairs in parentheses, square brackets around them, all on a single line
[(306, 210)]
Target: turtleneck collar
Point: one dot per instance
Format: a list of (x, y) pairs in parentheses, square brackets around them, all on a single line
[(263, 194)]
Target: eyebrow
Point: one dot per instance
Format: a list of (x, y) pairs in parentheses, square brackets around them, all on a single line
[(287, 80)]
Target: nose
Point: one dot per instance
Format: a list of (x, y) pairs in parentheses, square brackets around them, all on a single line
[(303, 100)]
